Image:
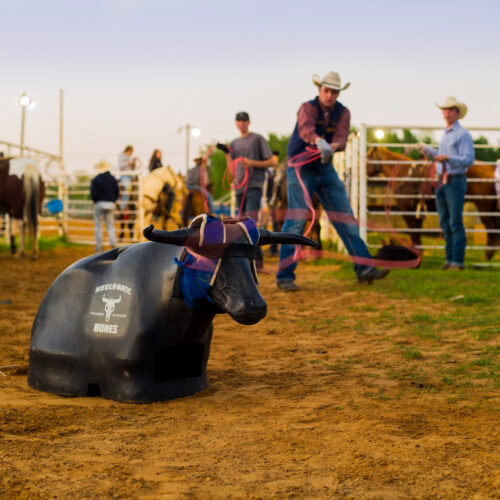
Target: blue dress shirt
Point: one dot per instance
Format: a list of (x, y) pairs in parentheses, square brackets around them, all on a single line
[(457, 144)]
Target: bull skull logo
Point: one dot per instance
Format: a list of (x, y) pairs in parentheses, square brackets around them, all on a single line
[(110, 305)]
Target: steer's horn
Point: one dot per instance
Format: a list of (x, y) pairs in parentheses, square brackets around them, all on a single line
[(178, 237), (266, 237)]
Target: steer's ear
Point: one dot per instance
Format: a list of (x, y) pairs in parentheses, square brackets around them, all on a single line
[(266, 237), (178, 237)]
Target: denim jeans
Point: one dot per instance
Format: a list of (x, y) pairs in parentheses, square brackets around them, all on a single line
[(106, 210), (450, 200), (323, 180), (126, 182), (251, 207)]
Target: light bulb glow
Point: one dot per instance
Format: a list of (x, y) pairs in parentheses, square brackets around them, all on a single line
[(195, 132), (32, 105), (379, 134), (24, 100)]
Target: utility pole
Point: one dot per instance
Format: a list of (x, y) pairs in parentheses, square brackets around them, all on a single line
[(25, 102), (190, 131), (61, 192), (23, 121)]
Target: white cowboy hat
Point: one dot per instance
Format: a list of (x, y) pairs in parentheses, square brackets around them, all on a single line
[(451, 102), (331, 80), (102, 166)]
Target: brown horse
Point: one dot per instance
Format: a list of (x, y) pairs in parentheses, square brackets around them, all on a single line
[(194, 204), (21, 196), (423, 190)]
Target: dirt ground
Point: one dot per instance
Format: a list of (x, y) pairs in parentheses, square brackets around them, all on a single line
[(290, 411)]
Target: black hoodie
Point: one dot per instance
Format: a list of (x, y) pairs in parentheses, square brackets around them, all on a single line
[(104, 187)]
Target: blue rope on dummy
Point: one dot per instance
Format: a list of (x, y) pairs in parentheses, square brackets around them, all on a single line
[(195, 284)]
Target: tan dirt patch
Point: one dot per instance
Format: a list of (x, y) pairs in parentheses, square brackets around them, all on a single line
[(315, 401)]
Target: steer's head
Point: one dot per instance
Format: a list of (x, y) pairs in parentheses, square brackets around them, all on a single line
[(219, 262)]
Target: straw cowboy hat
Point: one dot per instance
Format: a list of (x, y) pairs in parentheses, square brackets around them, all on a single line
[(102, 166), (331, 80), (451, 102)]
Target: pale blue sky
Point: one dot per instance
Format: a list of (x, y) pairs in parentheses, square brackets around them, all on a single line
[(133, 71)]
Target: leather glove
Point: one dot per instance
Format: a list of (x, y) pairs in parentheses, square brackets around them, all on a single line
[(222, 147), (325, 150)]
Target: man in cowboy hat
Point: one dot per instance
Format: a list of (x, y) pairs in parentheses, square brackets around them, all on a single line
[(104, 191), (455, 156), (322, 122)]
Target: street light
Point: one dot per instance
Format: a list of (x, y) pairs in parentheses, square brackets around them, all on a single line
[(25, 102), (195, 132)]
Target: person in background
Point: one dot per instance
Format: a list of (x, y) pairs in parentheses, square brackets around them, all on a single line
[(455, 156), (126, 163), (255, 156), (155, 161), (267, 197), (194, 182), (322, 122), (104, 191)]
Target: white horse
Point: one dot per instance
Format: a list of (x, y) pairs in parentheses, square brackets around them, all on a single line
[(163, 198)]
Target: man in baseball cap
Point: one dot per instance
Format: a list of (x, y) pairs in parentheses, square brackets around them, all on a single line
[(255, 156), (242, 116)]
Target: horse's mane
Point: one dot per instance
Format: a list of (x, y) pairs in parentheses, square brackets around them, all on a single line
[(153, 183)]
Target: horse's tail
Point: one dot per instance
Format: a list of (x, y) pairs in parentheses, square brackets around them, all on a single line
[(32, 198)]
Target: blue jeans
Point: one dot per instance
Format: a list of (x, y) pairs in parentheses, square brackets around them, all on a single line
[(251, 207), (106, 210), (323, 180), (450, 200), (126, 182)]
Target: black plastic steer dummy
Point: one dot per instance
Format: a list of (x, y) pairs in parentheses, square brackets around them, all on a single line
[(134, 323)]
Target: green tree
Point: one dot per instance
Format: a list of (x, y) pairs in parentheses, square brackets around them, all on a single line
[(392, 137), (279, 144), (217, 174), (486, 154)]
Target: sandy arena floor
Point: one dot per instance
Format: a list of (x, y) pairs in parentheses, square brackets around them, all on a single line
[(289, 413)]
